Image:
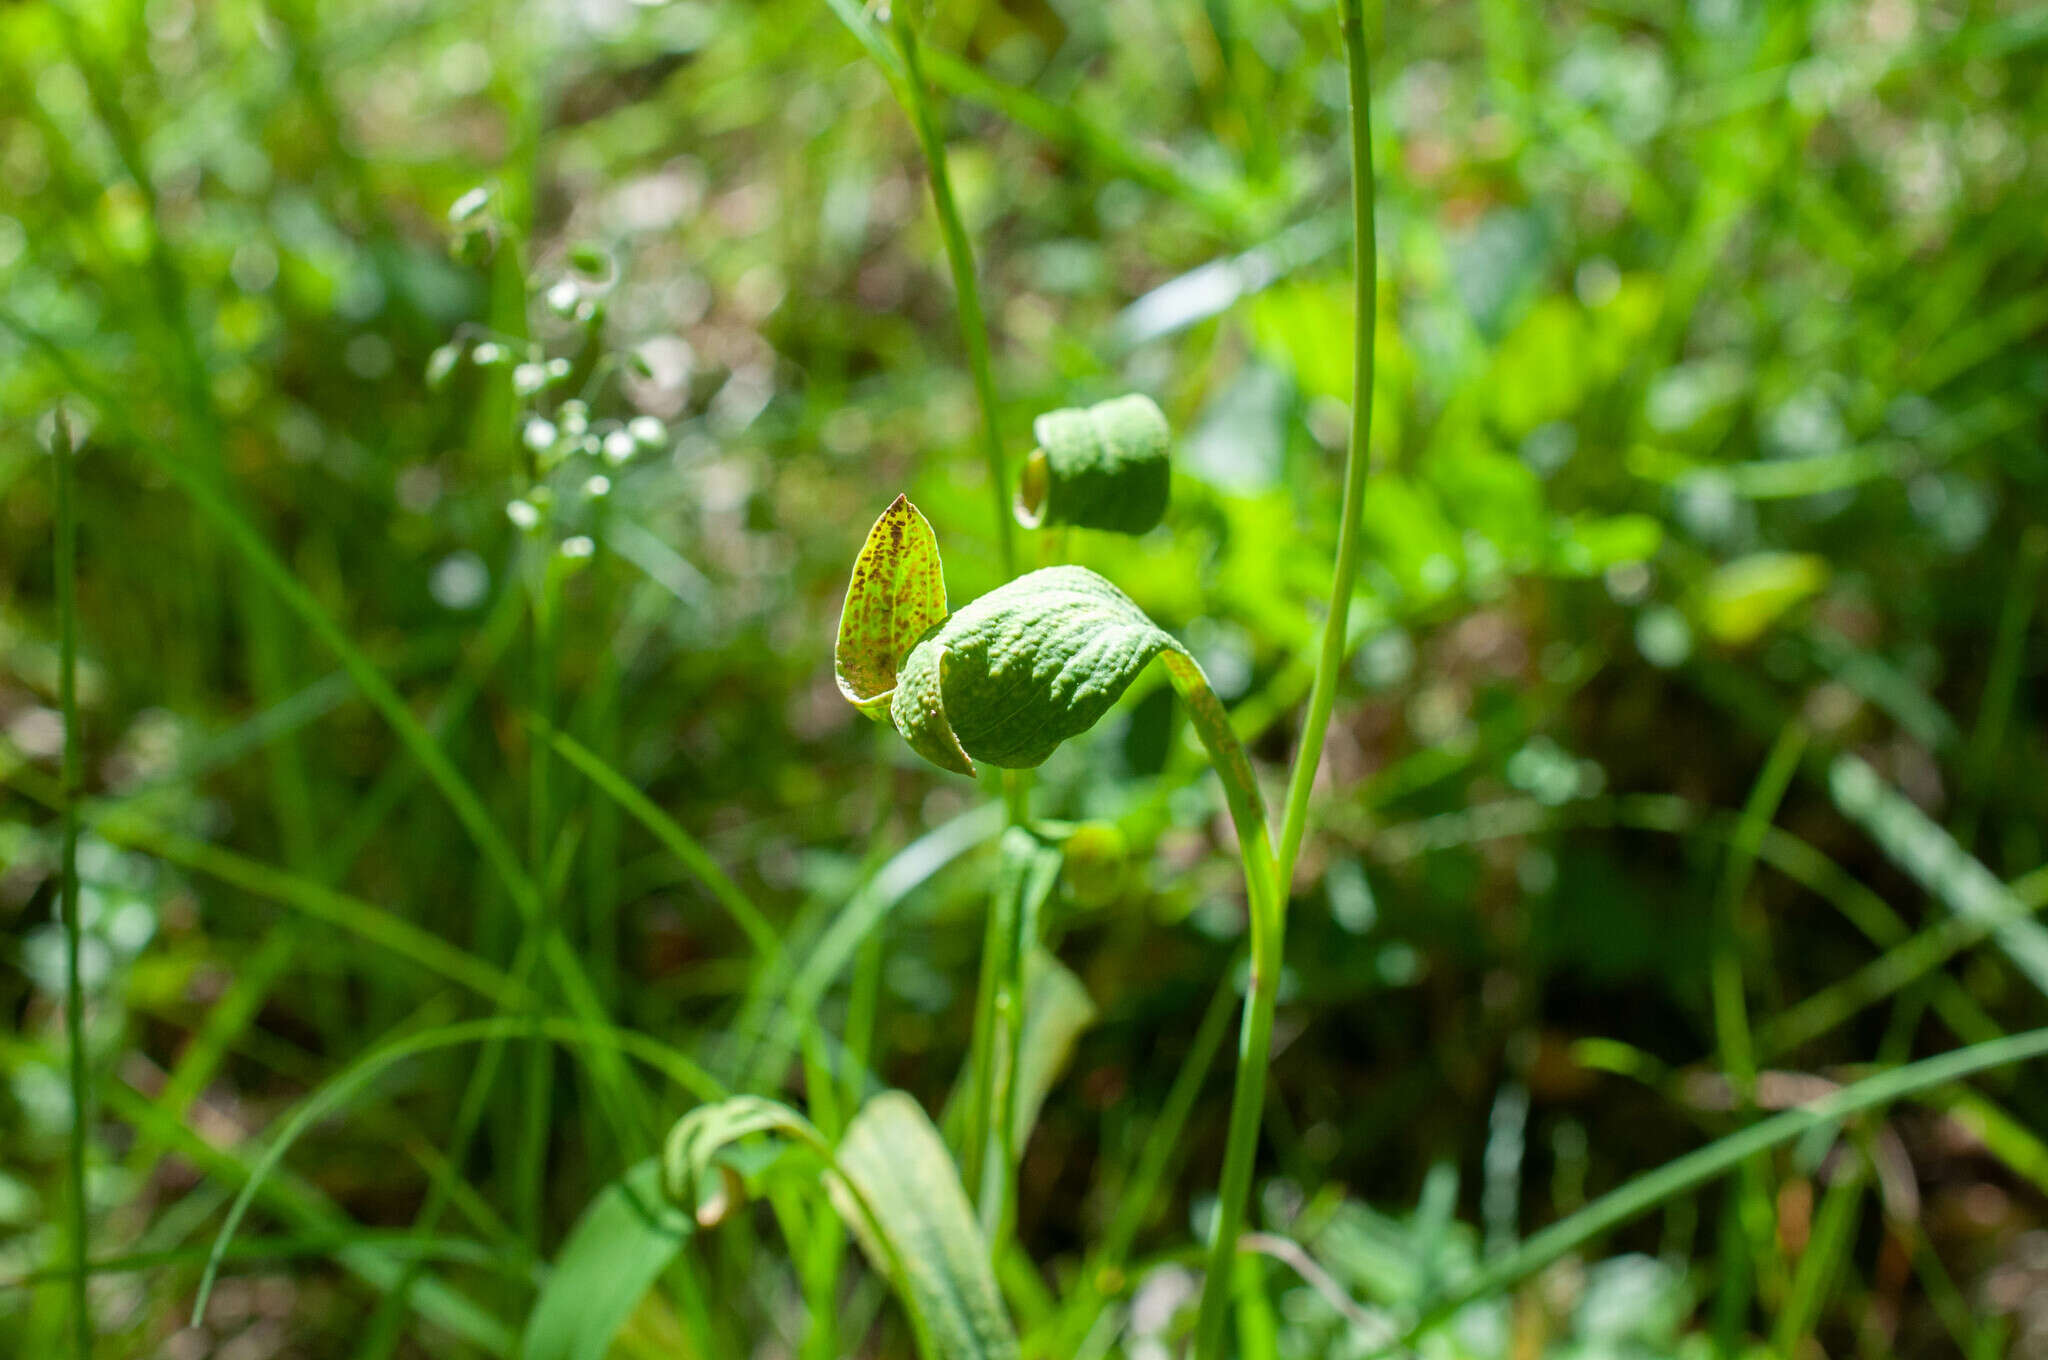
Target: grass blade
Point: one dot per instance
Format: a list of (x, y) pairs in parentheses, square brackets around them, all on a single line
[(1703, 1165), (680, 843), (62, 453), (1911, 840), (895, 880), (344, 1087)]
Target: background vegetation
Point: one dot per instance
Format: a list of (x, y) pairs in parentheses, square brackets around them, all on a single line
[(1691, 758)]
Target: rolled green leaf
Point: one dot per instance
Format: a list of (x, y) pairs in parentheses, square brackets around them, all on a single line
[(1018, 671), (690, 1158), (1098, 467), (898, 591)]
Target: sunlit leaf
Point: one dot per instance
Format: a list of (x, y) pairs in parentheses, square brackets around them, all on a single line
[(898, 590), (1018, 671)]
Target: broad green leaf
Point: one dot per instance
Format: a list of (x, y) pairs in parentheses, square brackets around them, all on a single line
[(1057, 1009), (625, 1239), (1745, 597), (899, 1191), (898, 591), (1098, 467), (1541, 371), (1408, 534), (1306, 326), (1496, 495), (1018, 671)]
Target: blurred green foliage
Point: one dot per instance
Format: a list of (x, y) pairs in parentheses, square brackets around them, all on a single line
[(1713, 365)]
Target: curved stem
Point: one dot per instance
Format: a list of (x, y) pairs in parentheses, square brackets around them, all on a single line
[(1268, 871), (1268, 912), (1365, 275), (960, 259)]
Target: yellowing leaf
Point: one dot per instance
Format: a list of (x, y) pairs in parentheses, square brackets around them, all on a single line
[(898, 591)]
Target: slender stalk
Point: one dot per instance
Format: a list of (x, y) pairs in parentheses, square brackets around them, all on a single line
[(74, 991), (1357, 459), (960, 259), (1268, 912), (1269, 871), (1731, 1011), (982, 1099), (537, 1076), (990, 1160)]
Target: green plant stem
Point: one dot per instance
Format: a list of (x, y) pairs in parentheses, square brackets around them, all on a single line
[(1268, 871), (1731, 1009), (982, 1099), (1357, 459), (960, 259), (74, 990), (538, 1093), (1267, 907)]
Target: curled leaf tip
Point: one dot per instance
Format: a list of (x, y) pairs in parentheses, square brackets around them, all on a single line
[(1098, 467), (919, 710), (1023, 668), (897, 594)]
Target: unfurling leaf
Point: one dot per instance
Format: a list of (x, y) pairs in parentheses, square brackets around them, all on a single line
[(897, 592), (1018, 671), (692, 1176), (1098, 467)]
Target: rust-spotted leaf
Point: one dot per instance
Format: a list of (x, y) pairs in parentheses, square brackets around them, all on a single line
[(897, 593)]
